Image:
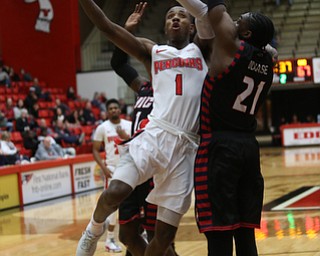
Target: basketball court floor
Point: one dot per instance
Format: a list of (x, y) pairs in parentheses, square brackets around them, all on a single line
[(290, 222)]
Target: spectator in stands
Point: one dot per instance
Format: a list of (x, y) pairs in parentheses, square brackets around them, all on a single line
[(34, 111), (4, 77), (66, 135), (67, 151), (74, 119), (8, 110), (88, 115), (295, 119), (26, 126), (65, 109), (95, 102), (18, 108), (4, 123), (58, 115), (30, 99), (103, 100), (71, 94), (25, 76), (14, 77), (103, 117), (9, 154), (48, 151)]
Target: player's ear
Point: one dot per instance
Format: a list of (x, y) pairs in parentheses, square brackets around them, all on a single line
[(192, 29), (246, 34)]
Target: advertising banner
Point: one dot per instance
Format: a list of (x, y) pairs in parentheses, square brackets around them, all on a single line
[(9, 192), (87, 176), (299, 136), (46, 184)]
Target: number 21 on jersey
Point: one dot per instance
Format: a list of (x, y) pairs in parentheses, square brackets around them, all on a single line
[(238, 104)]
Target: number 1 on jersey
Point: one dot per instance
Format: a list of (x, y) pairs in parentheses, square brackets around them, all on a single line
[(179, 84)]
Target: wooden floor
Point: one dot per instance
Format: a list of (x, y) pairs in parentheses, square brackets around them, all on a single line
[(54, 227)]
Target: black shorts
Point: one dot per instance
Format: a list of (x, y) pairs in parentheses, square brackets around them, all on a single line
[(136, 207), (229, 186)]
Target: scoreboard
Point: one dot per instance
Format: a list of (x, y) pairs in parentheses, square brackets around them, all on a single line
[(293, 71)]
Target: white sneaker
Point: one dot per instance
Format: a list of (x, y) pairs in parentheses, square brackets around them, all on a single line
[(112, 246), (88, 243)]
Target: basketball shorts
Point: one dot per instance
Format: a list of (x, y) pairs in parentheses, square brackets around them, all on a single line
[(166, 157), (136, 207), (233, 193)]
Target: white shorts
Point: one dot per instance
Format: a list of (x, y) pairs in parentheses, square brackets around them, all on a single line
[(169, 159)]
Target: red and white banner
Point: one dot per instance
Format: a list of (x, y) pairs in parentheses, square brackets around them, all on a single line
[(45, 15), (301, 134)]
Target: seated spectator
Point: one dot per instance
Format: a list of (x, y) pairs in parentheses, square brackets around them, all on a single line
[(4, 123), (103, 117), (88, 115), (64, 108), (30, 99), (48, 151), (74, 119), (95, 102), (9, 154), (68, 151), (4, 77), (58, 115), (71, 94), (66, 135), (18, 109), (25, 76), (34, 111), (26, 126), (8, 109), (14, 77)]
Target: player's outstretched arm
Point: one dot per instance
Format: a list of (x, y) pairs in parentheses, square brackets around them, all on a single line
[(136, 47), (119, 59)]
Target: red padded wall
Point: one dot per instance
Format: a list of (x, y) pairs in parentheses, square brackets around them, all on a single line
[(52, 57)]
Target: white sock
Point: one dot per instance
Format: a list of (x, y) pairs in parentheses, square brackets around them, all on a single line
[(94, 227), (110, 235)]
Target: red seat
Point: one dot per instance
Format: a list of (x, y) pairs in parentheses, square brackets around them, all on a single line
[(16, 137)]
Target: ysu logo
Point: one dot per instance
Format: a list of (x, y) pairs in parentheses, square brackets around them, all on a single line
[(45, 15)]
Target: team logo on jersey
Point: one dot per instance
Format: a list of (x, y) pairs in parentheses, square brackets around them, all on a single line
[(161, 65), (45, 15), (304, 198)]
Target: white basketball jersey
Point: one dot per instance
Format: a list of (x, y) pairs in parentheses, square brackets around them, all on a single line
[(177, 79), (107, 133)]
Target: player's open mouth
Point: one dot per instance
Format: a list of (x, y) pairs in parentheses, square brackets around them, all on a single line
[(175, 26)]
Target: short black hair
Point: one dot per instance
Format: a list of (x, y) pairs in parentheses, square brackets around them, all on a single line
[(262, 29), (112, 101)]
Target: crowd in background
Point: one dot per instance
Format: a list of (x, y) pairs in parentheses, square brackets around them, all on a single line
[(40, 123)]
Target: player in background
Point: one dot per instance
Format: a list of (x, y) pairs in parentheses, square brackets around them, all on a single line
[(107, 134), (228, 181), (166, 149)]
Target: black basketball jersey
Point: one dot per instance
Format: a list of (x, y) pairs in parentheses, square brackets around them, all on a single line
[(235, 96), (143, 106)]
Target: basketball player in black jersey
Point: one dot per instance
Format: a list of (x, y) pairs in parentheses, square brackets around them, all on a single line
[(228, 182), (134, 212)]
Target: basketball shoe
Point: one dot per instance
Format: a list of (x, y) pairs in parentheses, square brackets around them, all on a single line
[(112, 246), (88, 242)]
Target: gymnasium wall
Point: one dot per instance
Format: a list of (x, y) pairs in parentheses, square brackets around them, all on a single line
[(52, 51)]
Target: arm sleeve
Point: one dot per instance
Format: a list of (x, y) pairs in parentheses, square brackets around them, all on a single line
[(119, 63), (199, 10)]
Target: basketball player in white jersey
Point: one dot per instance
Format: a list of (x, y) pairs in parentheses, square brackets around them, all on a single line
[(166, 148), (107, 133)]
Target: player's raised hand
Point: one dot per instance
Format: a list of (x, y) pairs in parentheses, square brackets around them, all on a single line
[(135, 18)]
